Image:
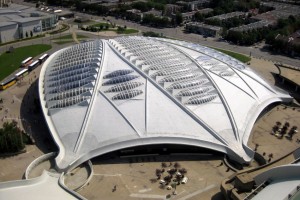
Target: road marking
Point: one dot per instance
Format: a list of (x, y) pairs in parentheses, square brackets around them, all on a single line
[(17, 99), (197, 192), (145, 190), (107, 174), (148, 196)]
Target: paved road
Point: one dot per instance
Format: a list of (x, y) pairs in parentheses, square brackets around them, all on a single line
[(258, 51), (179, 34)]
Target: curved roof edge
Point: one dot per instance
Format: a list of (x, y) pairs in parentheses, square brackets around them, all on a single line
[(51, 128), (146, 141)]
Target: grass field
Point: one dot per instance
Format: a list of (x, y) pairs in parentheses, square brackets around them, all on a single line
[(111, 28), (235, 55), (104, 24), (128, 31), (24, 39), (11, 61)]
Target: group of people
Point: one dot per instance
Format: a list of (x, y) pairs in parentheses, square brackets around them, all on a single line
[(279, 131)]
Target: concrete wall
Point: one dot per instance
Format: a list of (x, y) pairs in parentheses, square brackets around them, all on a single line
[(282, 172), (37, 161), (30, 27), (9, 33)]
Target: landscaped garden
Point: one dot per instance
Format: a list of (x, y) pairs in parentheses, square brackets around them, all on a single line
[(105, 26), (67, 39)]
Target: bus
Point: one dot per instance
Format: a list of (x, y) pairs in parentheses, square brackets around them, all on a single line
[(33, 65), (21, 73), (7, 83), (26, 62), (43, 58)]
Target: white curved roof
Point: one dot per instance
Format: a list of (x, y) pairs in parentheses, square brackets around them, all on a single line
[(106, 95)]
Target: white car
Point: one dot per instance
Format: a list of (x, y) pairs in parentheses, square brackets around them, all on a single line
[(184, 180)]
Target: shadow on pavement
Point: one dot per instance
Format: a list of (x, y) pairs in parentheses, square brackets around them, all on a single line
[(33, 120)]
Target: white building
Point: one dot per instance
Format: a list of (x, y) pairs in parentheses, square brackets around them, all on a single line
[(8, 31), (18, 21), (107, 95)]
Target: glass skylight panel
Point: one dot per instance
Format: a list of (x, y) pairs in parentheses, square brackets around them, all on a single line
[(124, 86), (118, 73), (127, 94), (72, 78), (72, 67), (219, 68), (70, 93), (226, 73), (173, 70), (69, 86), (69, 101), (183, 76), (187, 83), (201, 99), (73, 72), (164, 66), (194, 91), (120, 79)]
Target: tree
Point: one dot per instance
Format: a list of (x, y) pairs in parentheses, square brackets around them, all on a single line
[(163, 165), (182, 171), (31, 33), (120, 29), (26, 34), (176, 165), (11, 138), (178, 18), (199, 17)]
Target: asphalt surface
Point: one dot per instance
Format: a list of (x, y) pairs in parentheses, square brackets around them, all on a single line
[(257, 51)]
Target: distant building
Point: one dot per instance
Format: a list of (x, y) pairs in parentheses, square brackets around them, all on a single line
[(20, 21), (171, 9), (156, 13), (292, 43), (203, 29), (188, 16), (227, 16), (193, 5), (28, 26), (251, 26), (8, 31), (281, 10), (205, 10), (134, 14)]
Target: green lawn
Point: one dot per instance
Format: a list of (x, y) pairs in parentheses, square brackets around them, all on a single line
[(128, 31), (24, 39), (104, 24), (235, 55), (12, 61), (66, 37)]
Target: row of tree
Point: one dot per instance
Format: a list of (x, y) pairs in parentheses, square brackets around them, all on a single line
[(246, 37), (284, 28), (227, 6)]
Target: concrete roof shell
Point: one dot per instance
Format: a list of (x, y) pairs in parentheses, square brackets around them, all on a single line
[(106, 95)]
